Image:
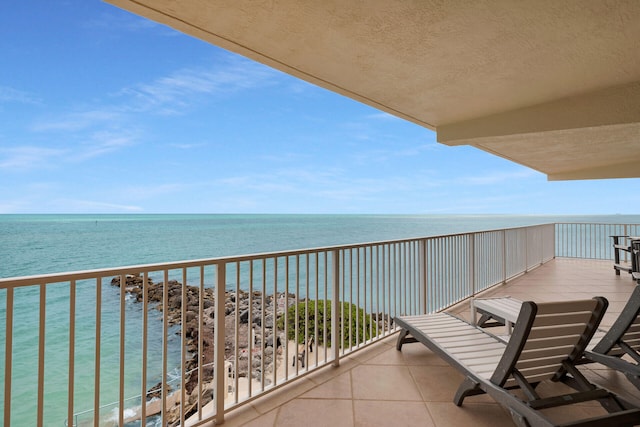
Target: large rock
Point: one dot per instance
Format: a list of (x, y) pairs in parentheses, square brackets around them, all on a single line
[(236, 303)]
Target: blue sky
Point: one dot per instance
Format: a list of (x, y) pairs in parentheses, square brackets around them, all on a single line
[(102, 111)]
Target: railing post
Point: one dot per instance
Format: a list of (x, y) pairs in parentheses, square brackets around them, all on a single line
[(504, 256), (8, 358), (472, 263), (526, 250), (422, 253), (626, 233), (336, 337), (219, 338)]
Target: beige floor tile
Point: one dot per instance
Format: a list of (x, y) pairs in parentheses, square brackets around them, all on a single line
[(326, 373), (380, 382), (613, 381), (368, 353), (266, 420), (316, 413), (283, 395), (241, 416), (439, 384), (374, 413), (570, 413), (336, 388), (469, 414)]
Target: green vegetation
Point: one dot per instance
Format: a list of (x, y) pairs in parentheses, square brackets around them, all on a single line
[(360, 322)]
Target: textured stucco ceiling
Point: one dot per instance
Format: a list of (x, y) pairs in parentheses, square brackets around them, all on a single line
[(553, 85)]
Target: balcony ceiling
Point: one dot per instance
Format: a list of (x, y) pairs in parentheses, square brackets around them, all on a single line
[(552, 85)]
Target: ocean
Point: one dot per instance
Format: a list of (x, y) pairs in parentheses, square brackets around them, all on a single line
[(41, 244), (37, 244)]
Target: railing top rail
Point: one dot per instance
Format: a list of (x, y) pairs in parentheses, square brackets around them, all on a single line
[(599, 223), (173, 265)]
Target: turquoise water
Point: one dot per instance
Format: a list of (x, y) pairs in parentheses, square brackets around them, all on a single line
[(38, 244), (35, 244)]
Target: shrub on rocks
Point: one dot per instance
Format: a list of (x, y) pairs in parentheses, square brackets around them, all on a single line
[(358, 331)]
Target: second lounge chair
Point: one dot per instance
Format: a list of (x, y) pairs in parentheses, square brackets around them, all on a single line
[(547, 340)]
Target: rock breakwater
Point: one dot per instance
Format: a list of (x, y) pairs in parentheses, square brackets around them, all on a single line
[(249, 317)]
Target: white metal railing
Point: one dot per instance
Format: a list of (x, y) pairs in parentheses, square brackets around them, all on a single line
[(593, 241), (235, 312)]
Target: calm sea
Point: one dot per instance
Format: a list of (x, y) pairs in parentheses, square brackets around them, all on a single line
[(36, 244), (39, 244)]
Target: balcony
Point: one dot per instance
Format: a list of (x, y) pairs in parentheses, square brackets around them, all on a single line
[(381, 386), (112, 347)]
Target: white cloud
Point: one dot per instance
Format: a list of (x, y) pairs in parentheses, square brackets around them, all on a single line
[(29, 157), (175, 93), (382, 116), (103, 142), (77, 121), (9, 94), (74, 205)]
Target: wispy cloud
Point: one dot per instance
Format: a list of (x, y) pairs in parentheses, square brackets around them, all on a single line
[(75, 205), (103, 142), (76, 121), (11, 95), (175, 93), (29, 157), (382, 116), (119, 121)]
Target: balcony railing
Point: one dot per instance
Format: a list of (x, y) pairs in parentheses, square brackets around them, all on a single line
[(97, 342)]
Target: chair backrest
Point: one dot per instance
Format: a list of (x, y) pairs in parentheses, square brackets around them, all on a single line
[(547, 334), (625, 329)]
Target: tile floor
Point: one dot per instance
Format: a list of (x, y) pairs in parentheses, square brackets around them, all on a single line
[(379, 386)]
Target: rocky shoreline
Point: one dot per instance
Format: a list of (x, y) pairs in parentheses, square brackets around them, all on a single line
[(235, 305)]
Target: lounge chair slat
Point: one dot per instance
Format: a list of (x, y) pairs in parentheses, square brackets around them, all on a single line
[(533, 344), (468, 356), (634, 328), (635, 343), (541, 369), (549, 320), (631, 336), (481, 349), (479, 339), (553, 361), (546, 352), (553, 331), (566, 306)]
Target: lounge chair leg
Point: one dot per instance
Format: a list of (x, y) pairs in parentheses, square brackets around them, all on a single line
[(469, 387), (519, 419), (401, 337)]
